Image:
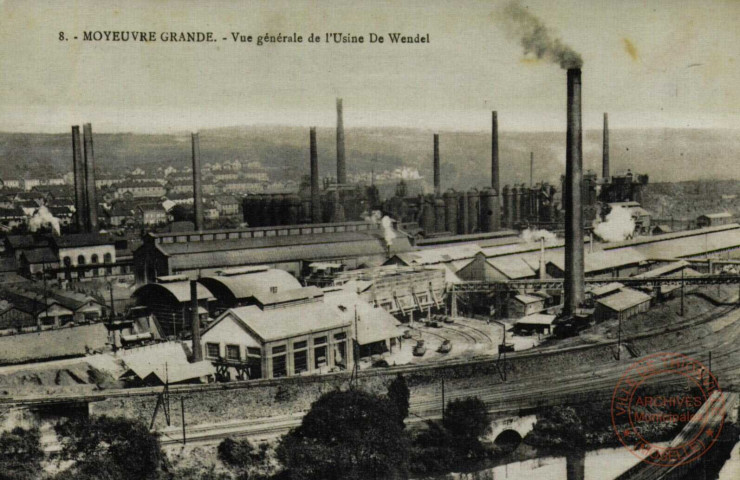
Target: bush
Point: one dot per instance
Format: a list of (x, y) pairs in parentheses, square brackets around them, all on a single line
[(398, 393), (20, 454)]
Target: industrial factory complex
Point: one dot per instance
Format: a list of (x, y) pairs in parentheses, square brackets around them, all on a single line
[(332, 280)]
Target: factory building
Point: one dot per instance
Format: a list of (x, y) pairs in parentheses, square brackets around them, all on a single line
[(623, 304), (300, 334), (238, 287), (672, 269), (168, 300), (399, 290), (291, 248), (714, 219)]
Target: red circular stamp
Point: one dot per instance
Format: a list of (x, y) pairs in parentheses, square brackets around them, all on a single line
[(668, 392)]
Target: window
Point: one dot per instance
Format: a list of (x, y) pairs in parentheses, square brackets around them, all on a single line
[(80, 260), (108, 258), (280, 349), (320, 359), (232, 352), (67, 262), (300, 345), (300, 361), (278, 366), (212, 350), (340, 336), (94, 258), (319, 341), (273, 289), (254, 352)]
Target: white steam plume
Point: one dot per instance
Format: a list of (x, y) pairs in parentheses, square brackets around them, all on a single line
[(388, 232), (532, 235), (375, 217), (43, 217), (618, 226)]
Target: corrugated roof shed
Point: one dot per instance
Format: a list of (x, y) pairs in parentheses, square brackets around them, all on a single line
[(513, 267), (605, 289), (180, 290), (536, 319), (625, 299)]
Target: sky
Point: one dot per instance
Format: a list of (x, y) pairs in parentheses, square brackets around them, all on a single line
[(650, 64)]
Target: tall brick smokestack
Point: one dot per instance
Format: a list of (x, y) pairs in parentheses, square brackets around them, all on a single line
[(197, 183), (195, 325), (341, 165), (315, 194), (91, 204), (78, 167), (605, 153), (437, 174), (494, 153), (574, 269)]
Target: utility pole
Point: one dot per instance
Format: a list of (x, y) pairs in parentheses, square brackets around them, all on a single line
[(112, 316), (682, 288), (531, 169), (619, 338), (182, 412), (355, 357)]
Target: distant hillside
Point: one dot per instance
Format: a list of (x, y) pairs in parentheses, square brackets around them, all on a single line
[(666, 155)]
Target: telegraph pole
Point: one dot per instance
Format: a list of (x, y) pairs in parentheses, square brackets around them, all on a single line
[(682, 289)]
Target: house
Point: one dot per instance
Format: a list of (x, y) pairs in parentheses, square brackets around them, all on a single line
[(624, 304), (295, 338), (714, 219), (227, 205), (483, 268), (163, 363), (12, 217), (31, 312), (151, 214), (139, 189)]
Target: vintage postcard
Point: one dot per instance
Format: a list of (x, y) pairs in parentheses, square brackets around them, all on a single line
[(316, 240)]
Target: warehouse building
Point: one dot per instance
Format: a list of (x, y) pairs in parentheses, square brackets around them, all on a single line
[(291, 248), (297, 334), (238, 287), (624, 304), (168, 300)]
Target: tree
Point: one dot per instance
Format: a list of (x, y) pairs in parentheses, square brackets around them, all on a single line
[(347, 435), (466, 418), (20, 454), (398, 393), (110, 448)]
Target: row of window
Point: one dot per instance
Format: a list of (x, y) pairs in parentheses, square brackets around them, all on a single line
[(233, 352), (107, 258)]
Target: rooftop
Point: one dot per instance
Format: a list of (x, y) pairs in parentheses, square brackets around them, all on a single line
[(626, 298)]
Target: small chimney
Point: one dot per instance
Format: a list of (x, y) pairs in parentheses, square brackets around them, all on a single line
[(531, 169), (605, 153), (197, 184), (494, 152), (542, 258), (78, 167), (437, 175), (574, 264), (315, 194), (341, 165), (92, 202), (195, 317)]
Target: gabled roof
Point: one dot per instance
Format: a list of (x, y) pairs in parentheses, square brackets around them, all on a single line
[(665, 269), (310, 294), (608, 288), (72, 240), (282, 323), (717, 215), (374, 324), (626, 298), (513, 267)]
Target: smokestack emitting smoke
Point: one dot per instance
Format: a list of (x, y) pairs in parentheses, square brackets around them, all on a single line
[(574, 267), (437, 174), (92, 203), (341, 165), (616, 227), (494, 153), (195, 318), (536, 39), (532, 235), (315, 194), (43, 217), (605, 153), (78, 167), (197, 184)]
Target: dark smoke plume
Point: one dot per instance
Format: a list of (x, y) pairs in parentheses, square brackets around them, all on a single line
[(537, 39)]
